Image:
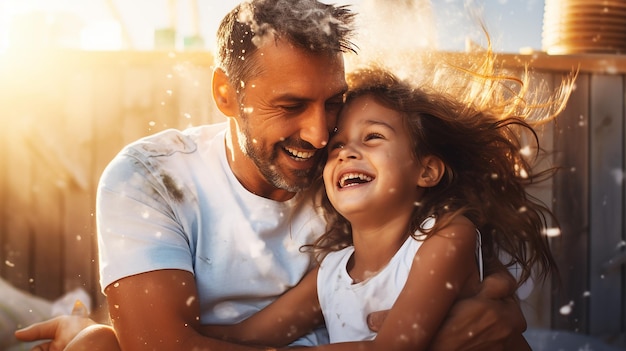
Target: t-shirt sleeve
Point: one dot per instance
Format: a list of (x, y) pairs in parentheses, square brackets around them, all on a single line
[(137, 227)]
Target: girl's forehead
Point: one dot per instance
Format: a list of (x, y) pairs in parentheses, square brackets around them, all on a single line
[(367, 107)]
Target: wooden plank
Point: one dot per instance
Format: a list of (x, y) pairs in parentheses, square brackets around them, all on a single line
[(47, 242), (195, 102), (18, 235), (5, 125), (619, 258), (79, 262), (166, 96), (19, 215), (535, 303), (46, 143), (138, 102), (571, 207), (107, 115), (606, 200)]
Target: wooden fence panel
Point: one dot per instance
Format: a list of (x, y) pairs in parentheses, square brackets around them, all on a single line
[(62, 122), (606, 202), (571, 206)]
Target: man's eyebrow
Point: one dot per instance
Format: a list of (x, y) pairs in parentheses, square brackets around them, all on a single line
[(289, 97), (294, 97)]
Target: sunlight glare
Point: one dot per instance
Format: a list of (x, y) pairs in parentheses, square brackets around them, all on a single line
[(101, 35)]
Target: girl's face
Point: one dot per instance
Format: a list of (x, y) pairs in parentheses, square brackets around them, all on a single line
[(371, 169)]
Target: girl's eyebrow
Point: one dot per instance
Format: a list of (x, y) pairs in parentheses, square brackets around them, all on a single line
[(380, 123), (368, 122)]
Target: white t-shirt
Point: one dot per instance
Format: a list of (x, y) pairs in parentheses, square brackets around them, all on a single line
[(346, 305), (171, 201)]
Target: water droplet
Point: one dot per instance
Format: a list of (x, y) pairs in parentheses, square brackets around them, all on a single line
[(566, 309), (190, 300), (552, 232)]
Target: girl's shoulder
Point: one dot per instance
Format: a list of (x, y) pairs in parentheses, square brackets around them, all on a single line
[(450, 225)]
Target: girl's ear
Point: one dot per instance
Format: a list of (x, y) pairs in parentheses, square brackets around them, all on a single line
[(224, 93), (432, 170)]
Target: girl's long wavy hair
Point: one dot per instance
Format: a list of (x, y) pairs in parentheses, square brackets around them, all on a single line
[(487, 169)]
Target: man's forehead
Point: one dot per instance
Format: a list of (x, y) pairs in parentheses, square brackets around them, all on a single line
[(291, 63)]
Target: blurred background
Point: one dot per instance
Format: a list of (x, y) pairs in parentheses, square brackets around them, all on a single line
[(187, 24), (79, 79)]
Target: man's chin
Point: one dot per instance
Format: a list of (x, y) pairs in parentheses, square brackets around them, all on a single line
[(297, 182)]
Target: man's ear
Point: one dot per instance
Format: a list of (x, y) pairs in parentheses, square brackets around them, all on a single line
[(224, 93), (432, 171)]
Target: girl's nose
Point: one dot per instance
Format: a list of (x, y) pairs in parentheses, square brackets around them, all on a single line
[(347, 151)]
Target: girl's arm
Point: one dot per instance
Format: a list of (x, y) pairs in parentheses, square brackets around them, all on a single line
[(444, 269), (291, 316)]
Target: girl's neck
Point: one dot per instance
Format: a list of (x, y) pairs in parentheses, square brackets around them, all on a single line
[(374, 247)]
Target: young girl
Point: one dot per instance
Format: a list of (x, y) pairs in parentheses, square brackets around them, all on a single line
[(413, 181)]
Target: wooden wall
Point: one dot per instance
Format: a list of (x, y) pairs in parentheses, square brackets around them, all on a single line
[(589, 200), (64, 115)]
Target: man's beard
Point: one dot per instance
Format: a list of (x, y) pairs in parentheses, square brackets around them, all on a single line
[(270, 172)]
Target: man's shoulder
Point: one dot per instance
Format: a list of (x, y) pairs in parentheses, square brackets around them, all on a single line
[(172, 141)]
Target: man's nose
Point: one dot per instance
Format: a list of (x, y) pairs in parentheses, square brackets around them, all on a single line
[(314, 128)]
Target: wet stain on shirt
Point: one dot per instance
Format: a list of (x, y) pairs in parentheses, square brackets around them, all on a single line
[(172, 188)]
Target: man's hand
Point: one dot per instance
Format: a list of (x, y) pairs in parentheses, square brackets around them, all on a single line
[(491, 320), (57, 332)]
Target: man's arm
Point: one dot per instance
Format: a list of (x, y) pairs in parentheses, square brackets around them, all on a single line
[(159, 310), (156, 310), (491, 320), (291, 316)]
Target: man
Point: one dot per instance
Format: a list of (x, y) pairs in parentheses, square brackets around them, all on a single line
[(205, 226)]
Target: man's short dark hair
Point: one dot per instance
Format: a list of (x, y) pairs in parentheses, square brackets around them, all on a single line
[(307, 24)]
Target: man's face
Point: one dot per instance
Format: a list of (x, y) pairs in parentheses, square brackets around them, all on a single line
[(287, 111)]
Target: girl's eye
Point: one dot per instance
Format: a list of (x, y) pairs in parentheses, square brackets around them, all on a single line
[(335, 145), (372, 136)]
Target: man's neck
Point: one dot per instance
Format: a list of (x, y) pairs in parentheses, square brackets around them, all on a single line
[(248, 174)]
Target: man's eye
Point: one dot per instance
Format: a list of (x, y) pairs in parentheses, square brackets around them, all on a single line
[(291, 108)]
